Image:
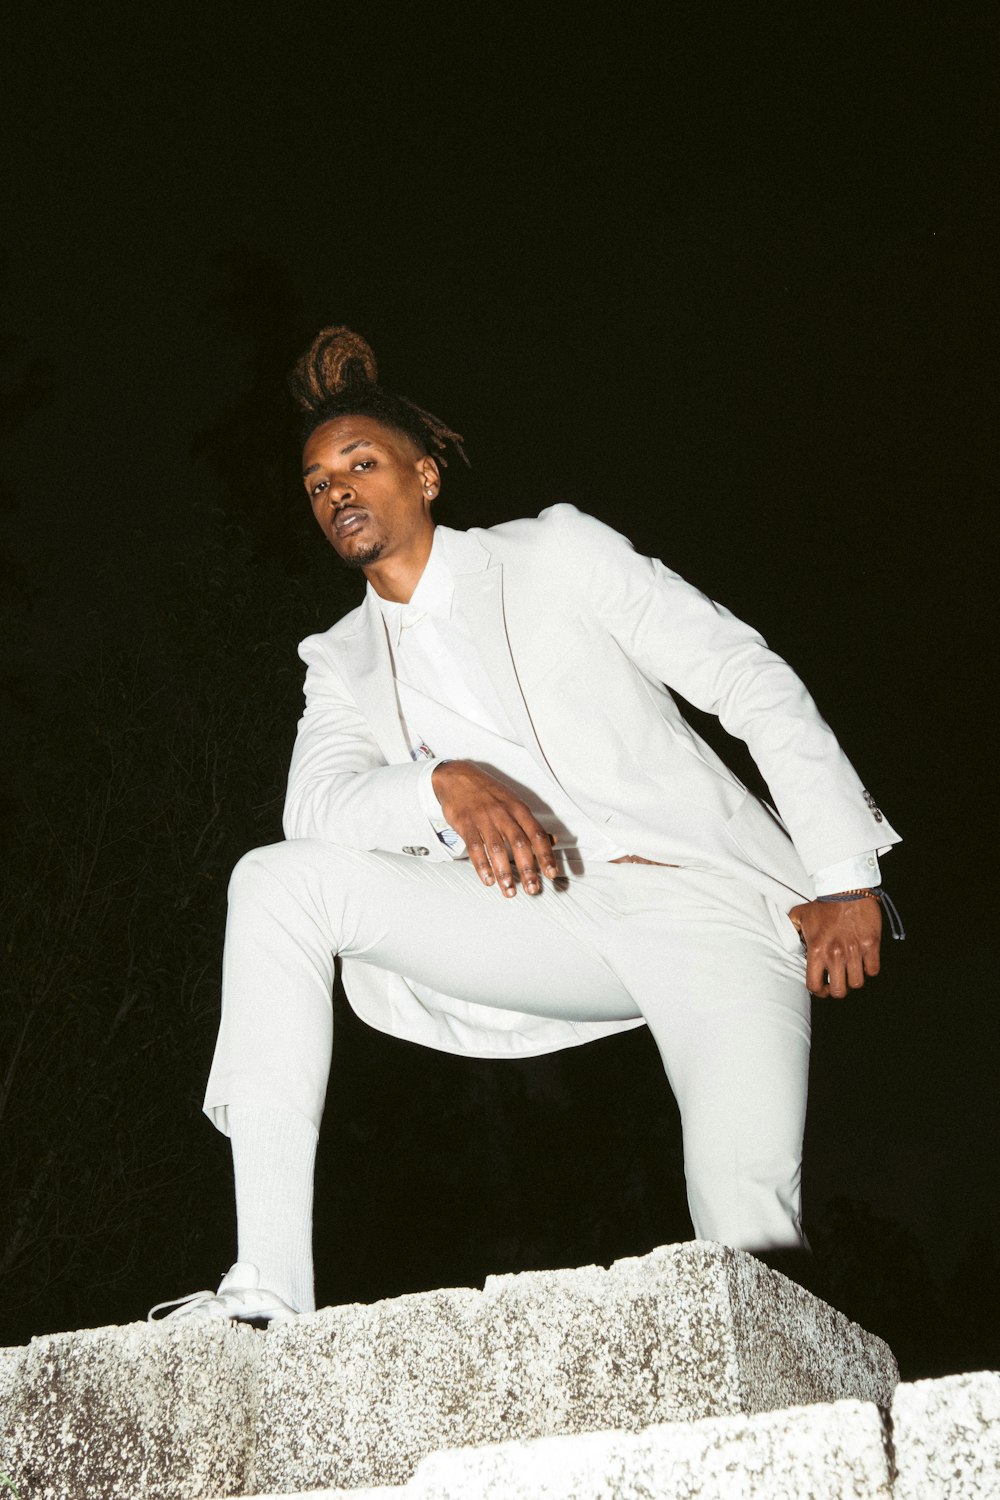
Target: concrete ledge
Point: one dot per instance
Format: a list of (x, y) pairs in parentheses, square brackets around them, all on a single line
[(947, 1447), (359, 1395), (946, 1435), (825, 1452), (356, 1396), (111, 1412)]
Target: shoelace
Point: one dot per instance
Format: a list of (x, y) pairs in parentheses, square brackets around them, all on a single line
[(196, 1299)]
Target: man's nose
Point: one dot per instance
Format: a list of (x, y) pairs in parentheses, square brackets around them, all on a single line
[(341, 493)]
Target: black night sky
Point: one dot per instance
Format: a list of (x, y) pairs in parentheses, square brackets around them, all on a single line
[(722, 277)]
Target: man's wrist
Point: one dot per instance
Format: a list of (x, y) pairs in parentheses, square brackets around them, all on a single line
[(871, 893), (435, 768), (429, 801), (862, 893), (857, 872), (431, 806)]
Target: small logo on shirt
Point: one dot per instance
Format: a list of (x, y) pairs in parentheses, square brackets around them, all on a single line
[(422, 752)]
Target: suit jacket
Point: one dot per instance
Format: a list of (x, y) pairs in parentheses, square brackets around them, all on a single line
[(583, 639)]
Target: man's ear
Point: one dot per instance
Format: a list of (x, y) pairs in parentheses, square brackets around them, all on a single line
[(430, 476)]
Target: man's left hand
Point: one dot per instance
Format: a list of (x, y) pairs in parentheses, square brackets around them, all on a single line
[(842, 941)]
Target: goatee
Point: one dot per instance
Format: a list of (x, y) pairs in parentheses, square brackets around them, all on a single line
[(365, 556)]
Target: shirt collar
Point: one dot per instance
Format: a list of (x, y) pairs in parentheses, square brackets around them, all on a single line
[(433, 595)]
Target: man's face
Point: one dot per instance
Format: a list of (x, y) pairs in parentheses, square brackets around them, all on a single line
[(370, 489)]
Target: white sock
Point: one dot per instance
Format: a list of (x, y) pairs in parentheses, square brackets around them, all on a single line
[(274, 1152)]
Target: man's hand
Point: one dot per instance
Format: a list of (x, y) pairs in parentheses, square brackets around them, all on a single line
[(842, 943), (501, 833)]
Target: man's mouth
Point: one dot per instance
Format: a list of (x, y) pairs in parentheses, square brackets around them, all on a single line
[(347, 521)]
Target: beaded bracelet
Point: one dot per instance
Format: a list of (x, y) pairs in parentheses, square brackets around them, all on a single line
[(874, 893)]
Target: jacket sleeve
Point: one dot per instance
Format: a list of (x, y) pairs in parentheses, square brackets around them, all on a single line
[(677, 635), (340, 787)]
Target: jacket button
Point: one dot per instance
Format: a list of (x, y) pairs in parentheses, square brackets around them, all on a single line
[(876, 814), (415, 849)]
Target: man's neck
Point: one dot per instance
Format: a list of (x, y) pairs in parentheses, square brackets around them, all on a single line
[(395, 577)]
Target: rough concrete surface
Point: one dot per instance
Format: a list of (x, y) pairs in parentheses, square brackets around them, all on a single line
[(112, 1412), (947, 1447), (946, 1435), (795, 1349), (358, 1395), (825, 1452)]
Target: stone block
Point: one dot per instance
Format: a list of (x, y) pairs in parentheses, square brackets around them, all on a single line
[(123, 1413), (825, 1452), (946, 1436), (358, 1395)]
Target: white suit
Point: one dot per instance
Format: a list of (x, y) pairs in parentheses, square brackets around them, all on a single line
[(578, 635)]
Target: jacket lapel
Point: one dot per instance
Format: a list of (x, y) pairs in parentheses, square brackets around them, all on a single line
[(479, 597), (368, 668)]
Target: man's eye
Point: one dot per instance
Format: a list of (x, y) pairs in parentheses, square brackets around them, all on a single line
[(318, 489), (365, 464)]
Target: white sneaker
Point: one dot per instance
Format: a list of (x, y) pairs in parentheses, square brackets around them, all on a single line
[(240, 1297)]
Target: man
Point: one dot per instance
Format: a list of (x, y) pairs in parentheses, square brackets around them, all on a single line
[(499, 820)]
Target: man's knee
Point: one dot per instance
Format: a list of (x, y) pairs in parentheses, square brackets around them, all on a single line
[(249, 871), (299, 867), (283, 863)]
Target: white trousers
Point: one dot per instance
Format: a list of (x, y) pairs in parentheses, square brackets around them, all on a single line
[(696, 953)]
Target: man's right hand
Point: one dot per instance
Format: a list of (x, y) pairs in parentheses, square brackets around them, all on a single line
[(500, 831)]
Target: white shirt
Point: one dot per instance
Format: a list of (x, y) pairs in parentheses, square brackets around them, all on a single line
[(450, 710)]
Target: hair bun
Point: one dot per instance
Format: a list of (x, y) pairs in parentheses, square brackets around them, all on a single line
[(336, 359)]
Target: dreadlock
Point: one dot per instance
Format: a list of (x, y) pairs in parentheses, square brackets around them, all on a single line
[(337, 377)]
